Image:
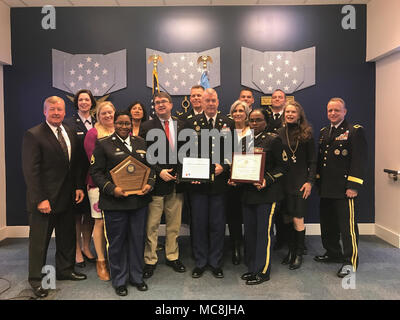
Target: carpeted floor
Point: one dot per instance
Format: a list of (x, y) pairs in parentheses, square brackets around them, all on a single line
[(378, 277)]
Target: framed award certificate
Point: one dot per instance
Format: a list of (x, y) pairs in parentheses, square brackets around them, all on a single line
[(248, 167), (196, 169), (131, 175)]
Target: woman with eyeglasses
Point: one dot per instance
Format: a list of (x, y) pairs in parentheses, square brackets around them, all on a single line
[(125, 215)]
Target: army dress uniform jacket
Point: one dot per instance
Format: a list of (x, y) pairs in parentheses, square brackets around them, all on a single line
[(304, 169), (162, 187), (341, 160), (276, 165), (225, 126), (108, 153)]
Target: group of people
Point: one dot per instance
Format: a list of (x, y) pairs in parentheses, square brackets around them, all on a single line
[(67, 163)]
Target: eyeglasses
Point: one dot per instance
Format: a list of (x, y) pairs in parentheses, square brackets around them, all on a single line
[(257, 120), (158, 102), (123, 123)]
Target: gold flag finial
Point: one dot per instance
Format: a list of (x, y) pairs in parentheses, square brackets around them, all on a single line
[(155, 58), (204, 60)]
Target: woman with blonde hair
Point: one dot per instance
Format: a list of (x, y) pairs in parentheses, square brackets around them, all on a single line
[(298, 142), (103, 128)]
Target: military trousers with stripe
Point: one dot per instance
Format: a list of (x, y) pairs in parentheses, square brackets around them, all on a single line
[(338, 221), (258, 221)]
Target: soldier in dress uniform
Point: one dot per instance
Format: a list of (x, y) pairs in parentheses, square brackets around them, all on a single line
[(259, 200), (208, 199), (247, 96), (340, 173), (196, 93), (124, 215)]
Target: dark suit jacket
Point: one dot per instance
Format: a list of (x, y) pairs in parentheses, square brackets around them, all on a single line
[(108, 153), (162, 187), (48, 174)]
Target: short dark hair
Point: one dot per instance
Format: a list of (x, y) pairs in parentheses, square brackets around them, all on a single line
[(162, 94), (140, 104), (261, 111), (197, 87), (92, 99), (119, 113), (246, 89)]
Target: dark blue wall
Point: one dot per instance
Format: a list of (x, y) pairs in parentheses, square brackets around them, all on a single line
[(341, 68)]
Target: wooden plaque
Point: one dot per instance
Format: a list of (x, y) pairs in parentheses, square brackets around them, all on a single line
[(131, 175)]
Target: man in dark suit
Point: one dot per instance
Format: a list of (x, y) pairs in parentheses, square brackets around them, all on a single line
[(208, 199), (49, 160), (167, 196), (340, 176)]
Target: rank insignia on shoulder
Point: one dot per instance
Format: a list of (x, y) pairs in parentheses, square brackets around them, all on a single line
[(323, 129), (92, 159), (141, 151), (189, 117), (78, 120), (284, 156)]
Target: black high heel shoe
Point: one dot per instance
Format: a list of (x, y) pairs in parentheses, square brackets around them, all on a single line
[(91, 260), (80, 264)]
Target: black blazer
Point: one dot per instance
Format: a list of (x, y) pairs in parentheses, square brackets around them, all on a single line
[(223, 124), (48, 174), (162, 187), (108, 153), (342, 159)]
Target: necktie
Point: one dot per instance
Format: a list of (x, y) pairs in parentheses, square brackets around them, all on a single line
[(128, 146), (88, 122), (167, 133), (276, 116), (62, 142), (332, 133), (211, 123)]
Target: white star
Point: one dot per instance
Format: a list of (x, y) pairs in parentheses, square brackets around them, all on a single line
[(262, 81), (88, 59), (183, 70), (174, 64), (80, 65), (286, 75), (269, 88), (72, 84), (191, 76), (167, 84), (294, 81), (191, 63), (286, 88), (167, 70), (96, 90), (294, 69), (270, 75), (105, 71), (175, 89), (199, 70), (88, 84), (175, 76), (72, 72), (279, 57), (104, 85), (270, 62), (183, 83), (198, 82), (88, 71), (96, 64), (80, 78), (183, 58), (278, 81), (278, 69), (287, 62), (96, 77)]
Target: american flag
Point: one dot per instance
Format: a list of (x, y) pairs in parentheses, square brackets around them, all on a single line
[(155, 89)]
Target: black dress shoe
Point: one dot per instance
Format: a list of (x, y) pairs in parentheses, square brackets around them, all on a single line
[(148, 270), (176, 265), (80, 264), (257, 279), (91, 260), (140, 286), (121, 291), (217, 272), (327, 258), (246, 276), (197, 272), (40, 292), (74, 276), (345, 270)]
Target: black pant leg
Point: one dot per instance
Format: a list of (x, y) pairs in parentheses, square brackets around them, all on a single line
[(65, 242), (330, 232), (234, 215)]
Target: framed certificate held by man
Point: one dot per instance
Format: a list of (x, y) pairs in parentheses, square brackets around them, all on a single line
[(196, 169), (248, 167), (131, 175)]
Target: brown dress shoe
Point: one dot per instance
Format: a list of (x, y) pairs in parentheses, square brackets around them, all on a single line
[(102, 271)]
